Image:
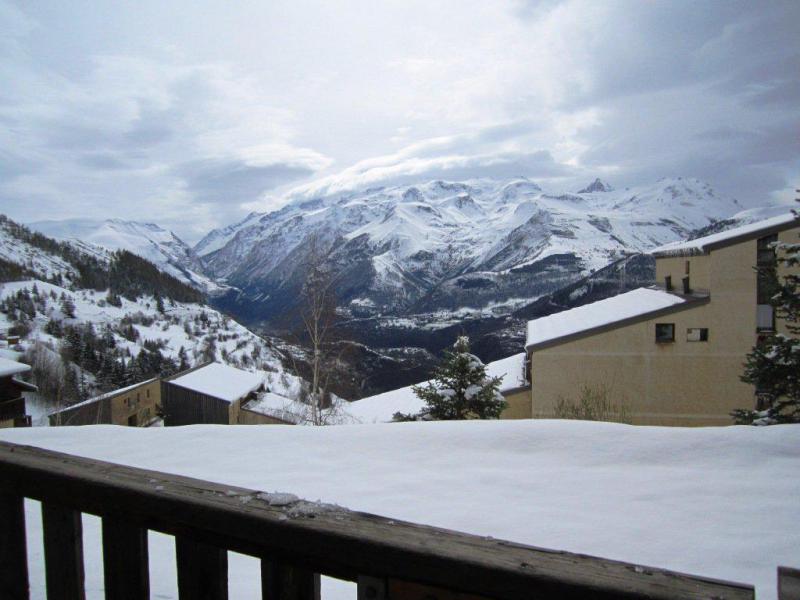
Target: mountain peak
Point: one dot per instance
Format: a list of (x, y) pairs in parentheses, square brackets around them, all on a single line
[(596, 186)]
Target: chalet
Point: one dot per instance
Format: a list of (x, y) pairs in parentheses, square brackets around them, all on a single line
[(135, 406), (673, 353), (12, 402), (209, 393)]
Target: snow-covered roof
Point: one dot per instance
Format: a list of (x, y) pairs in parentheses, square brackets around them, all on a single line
[(706, 243), (276, 406), (510, 369), (619, 308), (11, 367), (220, 381), (382, 407), (110, 394)]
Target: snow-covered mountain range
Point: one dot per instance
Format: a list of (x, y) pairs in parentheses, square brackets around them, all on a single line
[(452, 245), (148, 240)]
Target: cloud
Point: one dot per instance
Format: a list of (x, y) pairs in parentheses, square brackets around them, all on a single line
[(182, 144), (494, 151), (191, 117), (234, 181)]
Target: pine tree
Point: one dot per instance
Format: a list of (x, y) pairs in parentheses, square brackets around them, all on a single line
[(67, 306), (773, 365), (460, 389), (183, 365)]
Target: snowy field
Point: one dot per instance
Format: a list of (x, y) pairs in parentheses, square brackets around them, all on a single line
[(718, 502)]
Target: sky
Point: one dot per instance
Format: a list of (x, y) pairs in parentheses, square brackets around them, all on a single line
[(193, 113)]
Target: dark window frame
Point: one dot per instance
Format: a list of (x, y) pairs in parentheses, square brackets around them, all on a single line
[(665, 333)]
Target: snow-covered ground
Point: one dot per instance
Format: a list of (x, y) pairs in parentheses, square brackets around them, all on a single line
[(718, 502)]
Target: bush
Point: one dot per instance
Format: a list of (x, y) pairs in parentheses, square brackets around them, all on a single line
[(593, 404)]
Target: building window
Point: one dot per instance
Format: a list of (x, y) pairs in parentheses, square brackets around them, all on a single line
[(148, 393), (668, 282), (665, 332), (697, 334), (687, 268)]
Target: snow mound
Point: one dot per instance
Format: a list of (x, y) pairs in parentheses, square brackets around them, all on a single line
[(675, 498)]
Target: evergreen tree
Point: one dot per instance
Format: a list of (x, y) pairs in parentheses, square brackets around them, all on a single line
[(460, 389), (773, 365), (183, 359), (67, 306)]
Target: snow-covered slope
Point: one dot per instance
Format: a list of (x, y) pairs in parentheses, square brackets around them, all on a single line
[(202, 332), (34, 261), (444, 245), (717, 502), (148, 240)]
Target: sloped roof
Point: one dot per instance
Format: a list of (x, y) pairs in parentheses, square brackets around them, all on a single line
[(220, 381), (11, 367), (382, 407), (277, 406), (603, 313), (731, 236), (111, 394)]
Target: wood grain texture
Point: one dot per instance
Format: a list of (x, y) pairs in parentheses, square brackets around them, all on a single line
[(338, 542)]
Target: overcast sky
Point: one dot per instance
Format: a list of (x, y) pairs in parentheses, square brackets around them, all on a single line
[(192, 113)]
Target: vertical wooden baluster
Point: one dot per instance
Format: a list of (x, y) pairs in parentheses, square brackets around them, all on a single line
[(13, 549), (371, 588), (202, 571), (63, 552), (788, 583), (125, 567), (283, 582)]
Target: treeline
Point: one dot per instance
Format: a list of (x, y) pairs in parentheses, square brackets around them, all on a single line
[(132, 276), (126, 274)]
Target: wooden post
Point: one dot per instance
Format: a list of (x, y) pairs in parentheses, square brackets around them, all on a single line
[(63, 552), (788, 583), (283, 582), (371, 588), (13, 552), (125, 566), (407, 590), (202, 570)]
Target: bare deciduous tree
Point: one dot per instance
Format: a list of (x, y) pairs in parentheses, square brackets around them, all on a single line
[(318, 315)]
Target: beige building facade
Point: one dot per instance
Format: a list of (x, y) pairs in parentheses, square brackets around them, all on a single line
[(676, 358), (134, 406)]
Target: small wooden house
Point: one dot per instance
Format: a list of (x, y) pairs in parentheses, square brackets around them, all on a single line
[(12, 402), (209, 393), (135, 406)]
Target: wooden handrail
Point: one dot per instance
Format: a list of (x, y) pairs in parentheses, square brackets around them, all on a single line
[(296, 540)]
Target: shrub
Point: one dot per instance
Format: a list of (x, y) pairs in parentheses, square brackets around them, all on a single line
[(593, 404)]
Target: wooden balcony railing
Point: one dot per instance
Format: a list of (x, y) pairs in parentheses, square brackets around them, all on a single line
[(295, 540)]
